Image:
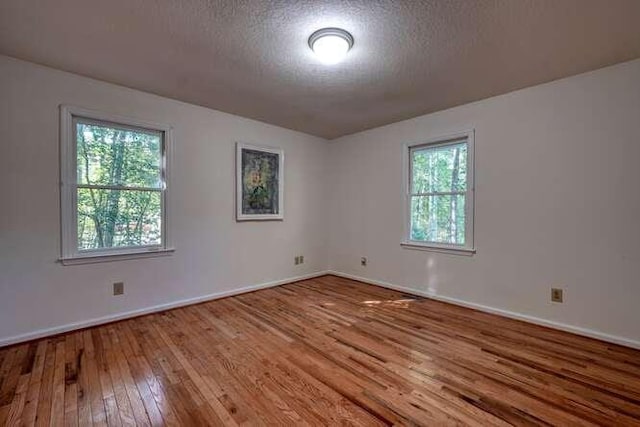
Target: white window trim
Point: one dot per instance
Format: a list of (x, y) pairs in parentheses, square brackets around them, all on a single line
[(469, 247), (68, 191)]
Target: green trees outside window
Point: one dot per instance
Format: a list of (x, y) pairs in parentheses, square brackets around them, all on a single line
[(438, 192), (119, 185)]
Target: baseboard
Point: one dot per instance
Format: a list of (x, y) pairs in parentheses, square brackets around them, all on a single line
[(493, 310), (41, 333)]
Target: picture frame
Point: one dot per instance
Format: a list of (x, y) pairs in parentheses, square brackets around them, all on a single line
[(259, 183)]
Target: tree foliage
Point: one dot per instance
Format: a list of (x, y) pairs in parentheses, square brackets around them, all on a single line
[(438, 217), (119, 186)]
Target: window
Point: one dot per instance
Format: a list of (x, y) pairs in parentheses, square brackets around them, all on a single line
[(114, 187), (439, 195)]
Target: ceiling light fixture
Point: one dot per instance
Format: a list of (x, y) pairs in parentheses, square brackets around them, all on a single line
[(330, 44)]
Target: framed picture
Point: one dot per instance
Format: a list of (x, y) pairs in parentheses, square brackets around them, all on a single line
[(259, 183)]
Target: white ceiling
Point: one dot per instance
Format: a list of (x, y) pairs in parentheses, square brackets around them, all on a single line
[(251, 57)]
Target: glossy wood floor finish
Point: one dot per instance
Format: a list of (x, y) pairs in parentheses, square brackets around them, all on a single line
[(327, 351)]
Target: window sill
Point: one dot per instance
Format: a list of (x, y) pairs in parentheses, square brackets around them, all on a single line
[(95, 258), (445, 250)]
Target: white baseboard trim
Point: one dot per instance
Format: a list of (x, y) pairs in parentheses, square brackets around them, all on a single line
[(615, 339), (41, 333)]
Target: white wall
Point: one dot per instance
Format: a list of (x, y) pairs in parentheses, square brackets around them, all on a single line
[(557, 203), (214, 253)]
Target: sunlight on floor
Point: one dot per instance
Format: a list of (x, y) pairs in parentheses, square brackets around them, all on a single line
[(399, 303)]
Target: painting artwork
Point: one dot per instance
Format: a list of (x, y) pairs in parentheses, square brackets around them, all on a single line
[(259, 183)]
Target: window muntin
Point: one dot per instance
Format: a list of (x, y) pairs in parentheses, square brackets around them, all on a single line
[(440, 194), (114, 186)]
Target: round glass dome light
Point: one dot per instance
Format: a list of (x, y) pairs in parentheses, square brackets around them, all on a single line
[(330, 44)]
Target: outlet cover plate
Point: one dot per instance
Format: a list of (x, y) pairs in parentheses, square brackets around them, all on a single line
[(118, 288)]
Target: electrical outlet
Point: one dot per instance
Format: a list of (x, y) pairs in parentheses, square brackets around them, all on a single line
[(118, 288), (301, 259), (556, 294), (363, 261)]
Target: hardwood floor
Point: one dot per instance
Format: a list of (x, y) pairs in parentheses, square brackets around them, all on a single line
[(326, 351)]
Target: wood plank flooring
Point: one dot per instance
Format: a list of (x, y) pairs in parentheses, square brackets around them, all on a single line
[(326, 351)]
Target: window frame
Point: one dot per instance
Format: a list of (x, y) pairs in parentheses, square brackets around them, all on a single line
[(70, 253), (469, 247)]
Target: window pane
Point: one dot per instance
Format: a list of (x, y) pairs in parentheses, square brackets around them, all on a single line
[(118, 218), (439, 169), (438, 219), (115, 156)]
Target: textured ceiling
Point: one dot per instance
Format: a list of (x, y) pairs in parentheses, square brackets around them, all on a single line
[(251, 57)]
